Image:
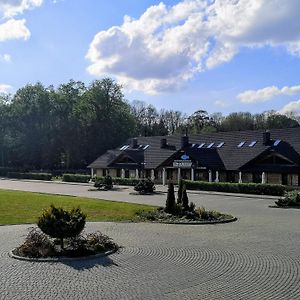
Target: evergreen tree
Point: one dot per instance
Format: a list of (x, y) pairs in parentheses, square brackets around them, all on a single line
[(185, 199), (179, 195), (170, 203)]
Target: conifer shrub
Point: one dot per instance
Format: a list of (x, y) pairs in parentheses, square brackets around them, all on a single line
[(60, 224), (184, 199), (290, 199), (179, 192), (145, 186), (170, 203), (104, 183)]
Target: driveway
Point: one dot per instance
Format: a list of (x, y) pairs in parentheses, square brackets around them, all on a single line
[(256, 257)]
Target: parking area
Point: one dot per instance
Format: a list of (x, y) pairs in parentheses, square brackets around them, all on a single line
[(256, 257)]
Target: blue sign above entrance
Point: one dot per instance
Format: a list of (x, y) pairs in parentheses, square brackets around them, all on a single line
[(185, 157)]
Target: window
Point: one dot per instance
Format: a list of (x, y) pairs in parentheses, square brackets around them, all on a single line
[(124, 147), (146, 147), (241, 144), (221, 145), (252, 144), (210, 145), (277, 142), (201, 145)]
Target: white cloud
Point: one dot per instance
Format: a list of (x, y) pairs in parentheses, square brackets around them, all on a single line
[(267, 93), (167, 46), (222, 103), (5, 88), (11, 8), (5, 57), (14, 29), (292, 107)]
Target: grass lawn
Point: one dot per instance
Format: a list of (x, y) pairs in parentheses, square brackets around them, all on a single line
[(18, 207)]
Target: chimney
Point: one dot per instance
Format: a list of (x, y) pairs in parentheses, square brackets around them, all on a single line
[(163, 143), (184, 141), (134, 143), (266, 137)]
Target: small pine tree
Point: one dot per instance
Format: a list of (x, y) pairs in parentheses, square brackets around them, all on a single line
[(185, 199), (170, 203), (179, 193)]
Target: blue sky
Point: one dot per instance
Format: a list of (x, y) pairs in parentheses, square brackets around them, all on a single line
[(185, 55)]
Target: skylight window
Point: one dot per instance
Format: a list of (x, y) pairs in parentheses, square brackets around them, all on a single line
[(141, 146), (221, 145), (201, 145), (277, 142), (146, 147), (123, 148), (210, 145), (252, 144), (241, 144)]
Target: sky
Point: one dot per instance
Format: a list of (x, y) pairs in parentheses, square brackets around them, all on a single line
[(216, 55)]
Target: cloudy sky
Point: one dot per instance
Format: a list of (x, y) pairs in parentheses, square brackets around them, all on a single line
[(217, 55)]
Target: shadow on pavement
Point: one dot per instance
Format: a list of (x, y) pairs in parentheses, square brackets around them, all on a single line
[(82, 265)]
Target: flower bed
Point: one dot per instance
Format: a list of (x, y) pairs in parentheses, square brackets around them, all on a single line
[(38, 246)]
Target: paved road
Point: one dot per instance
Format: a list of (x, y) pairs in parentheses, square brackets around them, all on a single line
[(256, 257)]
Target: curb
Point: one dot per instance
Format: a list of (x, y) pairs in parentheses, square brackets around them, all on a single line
[(60, 259), (46, 181), (252, 196)]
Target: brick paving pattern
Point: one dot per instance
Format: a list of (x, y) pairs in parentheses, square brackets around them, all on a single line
[(256, 257)]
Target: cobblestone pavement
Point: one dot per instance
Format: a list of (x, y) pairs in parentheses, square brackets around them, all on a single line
[(256, 257)]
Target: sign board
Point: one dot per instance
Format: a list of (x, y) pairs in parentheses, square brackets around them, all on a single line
[(182, 164)]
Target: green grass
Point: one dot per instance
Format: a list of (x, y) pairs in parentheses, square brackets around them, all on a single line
[(18, 207)]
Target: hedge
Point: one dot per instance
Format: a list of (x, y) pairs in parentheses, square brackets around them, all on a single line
[(76, 178), (243, 188), (121, 181), (35, 176), (5, 170)]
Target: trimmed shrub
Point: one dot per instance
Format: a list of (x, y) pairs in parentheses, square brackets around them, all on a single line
[(170, 203), (105, 182), (59, 223), (145, 186), (243, 188), (5, 170), (185, 199), (76, 178), (120, 181), (35, 176)]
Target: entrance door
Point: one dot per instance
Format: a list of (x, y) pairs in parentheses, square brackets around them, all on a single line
[(185, 174), (284, 179)]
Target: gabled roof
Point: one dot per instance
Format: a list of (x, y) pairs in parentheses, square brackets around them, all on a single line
[(229, 155)]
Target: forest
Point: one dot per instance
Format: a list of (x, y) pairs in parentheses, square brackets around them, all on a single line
[(66, 128)]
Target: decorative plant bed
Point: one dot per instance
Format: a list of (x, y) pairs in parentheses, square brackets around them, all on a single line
[(39, 247), (290, 200), (183, 212), (198, 217), (59, 237)]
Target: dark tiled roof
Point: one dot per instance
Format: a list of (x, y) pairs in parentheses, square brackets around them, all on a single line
[(229, 156)]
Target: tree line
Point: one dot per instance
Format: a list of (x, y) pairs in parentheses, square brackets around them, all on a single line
[(69, 126)]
